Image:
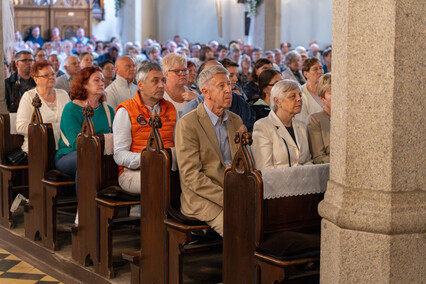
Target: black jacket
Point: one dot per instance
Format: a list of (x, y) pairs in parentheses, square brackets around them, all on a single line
[(14, 91)]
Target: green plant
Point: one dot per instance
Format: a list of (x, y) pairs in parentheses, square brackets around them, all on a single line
[(118, 4), (253, 4)]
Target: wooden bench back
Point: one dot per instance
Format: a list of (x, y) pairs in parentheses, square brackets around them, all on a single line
[(248, 217), (41, 159), (155, 169), (243, 208), (94, 172)]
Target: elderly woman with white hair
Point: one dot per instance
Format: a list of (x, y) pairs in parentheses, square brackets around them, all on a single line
[(279, 140), (293, 61)]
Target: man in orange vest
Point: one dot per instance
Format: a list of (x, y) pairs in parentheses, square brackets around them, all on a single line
[(131, 129)]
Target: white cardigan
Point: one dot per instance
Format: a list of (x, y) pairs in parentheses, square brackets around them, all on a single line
[(269, 149), (309, 105), (26, 109)]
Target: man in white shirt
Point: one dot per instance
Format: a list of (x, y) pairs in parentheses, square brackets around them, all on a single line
[(123, 88), (72, 68)]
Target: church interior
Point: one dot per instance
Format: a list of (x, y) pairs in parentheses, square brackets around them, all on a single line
[(125, 159)]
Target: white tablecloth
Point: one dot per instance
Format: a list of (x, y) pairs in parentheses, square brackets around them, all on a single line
[(301, 180)]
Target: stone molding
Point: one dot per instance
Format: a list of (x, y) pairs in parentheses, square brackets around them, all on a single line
[(374, 211)]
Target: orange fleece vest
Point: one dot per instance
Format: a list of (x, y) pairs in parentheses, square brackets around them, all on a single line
[(139, 116)]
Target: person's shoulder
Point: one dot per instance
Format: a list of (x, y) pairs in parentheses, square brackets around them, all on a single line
[(61, 93), (299, 123), (12, 78), (264, 122), (61, 78), (315, 117)]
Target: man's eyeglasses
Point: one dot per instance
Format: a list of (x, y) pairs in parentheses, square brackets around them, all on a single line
[(51, 75), (26, 60), (179, 71)]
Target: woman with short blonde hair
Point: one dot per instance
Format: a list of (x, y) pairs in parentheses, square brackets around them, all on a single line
[(319, 124)]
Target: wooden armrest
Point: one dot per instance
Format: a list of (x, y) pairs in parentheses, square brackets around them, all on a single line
[(58, 184), (102, 201), (283, 263), (13, 168), (132, 256), (183, 227)]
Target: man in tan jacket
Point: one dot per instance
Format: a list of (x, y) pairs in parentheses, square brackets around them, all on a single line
[(205, 146)]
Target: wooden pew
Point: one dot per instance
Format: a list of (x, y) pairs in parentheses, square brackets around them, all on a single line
[(44, 193), (92, 238), (14, 179), (164, 238), (249, 219)]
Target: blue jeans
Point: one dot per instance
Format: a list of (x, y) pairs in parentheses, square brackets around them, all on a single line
[(68, 165)]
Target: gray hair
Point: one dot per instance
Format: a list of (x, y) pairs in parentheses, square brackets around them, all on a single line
[(205, 76), (67, 60), (171, 60), (280, 89), (291, 56), (22, 52), (153, 47), (144, 68)]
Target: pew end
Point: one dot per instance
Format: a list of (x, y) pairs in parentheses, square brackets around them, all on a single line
[(50, 190), (272, 247), (99, 200), (14, 179)]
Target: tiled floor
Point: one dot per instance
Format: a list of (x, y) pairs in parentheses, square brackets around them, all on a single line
[(16, 271)]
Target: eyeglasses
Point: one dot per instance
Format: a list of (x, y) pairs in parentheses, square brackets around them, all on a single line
[(26, 60), (179, 71), (51, 75)]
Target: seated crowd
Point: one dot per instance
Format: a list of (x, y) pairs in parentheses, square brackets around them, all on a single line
[(203, 93)]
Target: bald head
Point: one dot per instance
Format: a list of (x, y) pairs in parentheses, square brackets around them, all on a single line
[(72, 65), (126, 68)]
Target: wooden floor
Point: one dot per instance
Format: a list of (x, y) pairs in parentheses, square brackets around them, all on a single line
[(59, 265)]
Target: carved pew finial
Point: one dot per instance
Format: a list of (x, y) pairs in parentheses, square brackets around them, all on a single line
[(88, 110), (243, 162), (155, 121), (87, 128), (243, 137), (155, 143), (36, 117)]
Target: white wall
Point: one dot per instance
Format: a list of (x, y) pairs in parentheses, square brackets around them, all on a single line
[(306, 20), (196, 20)]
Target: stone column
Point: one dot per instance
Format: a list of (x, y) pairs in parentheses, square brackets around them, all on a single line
[(3, 108), (374, 210), (149, 19), (131, 21), (267, 27)]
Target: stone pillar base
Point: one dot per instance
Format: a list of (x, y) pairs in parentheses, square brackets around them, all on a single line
[(349, 256)]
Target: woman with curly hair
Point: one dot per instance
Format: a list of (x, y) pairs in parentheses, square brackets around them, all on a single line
[(86, 88)]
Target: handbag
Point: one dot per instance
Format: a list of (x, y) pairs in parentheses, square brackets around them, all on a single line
[(18, 158)]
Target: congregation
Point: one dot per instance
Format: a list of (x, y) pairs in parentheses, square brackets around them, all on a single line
[(203, 93)]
